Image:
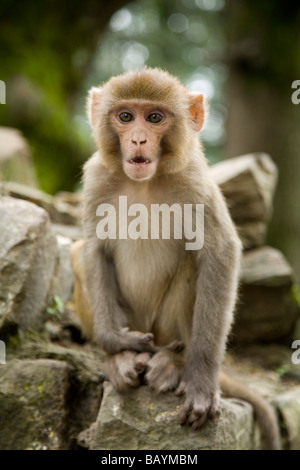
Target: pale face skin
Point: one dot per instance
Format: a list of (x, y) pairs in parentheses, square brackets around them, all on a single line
[(140, 126)]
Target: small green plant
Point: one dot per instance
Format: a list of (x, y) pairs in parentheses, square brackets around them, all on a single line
[(56, 309), (282, 370)]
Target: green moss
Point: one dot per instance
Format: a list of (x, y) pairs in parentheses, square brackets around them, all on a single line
[(295, 294), (41, 386)]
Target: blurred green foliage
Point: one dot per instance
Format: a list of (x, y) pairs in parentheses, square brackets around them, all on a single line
[(52, 52), (46, 51), (185, 37)]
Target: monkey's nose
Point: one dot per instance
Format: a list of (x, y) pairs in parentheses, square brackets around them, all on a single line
[(138, 141), (138, 137)]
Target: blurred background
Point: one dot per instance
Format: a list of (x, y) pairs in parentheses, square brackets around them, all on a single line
[(244, 55)]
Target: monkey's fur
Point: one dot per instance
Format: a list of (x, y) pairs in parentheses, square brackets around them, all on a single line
[(160, 312)]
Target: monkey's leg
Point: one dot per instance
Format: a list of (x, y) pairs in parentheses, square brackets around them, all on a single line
[(124, 369), (81, 297), (165, 368)]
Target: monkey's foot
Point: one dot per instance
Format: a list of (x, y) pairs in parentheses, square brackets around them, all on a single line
[(164, 369), (198, 406), (124, 369)]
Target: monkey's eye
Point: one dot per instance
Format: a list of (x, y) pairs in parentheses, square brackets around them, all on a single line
[(154, 118), (126, 117)]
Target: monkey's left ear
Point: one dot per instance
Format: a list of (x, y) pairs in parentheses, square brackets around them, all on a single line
[(196, 109), (92, 104)]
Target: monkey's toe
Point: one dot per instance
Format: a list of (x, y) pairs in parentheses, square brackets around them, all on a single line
[(198, 406), (162, 374)]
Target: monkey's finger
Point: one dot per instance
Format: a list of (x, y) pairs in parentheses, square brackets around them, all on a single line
[(180, 390), (176, 346), (214, 409), (184, 416), (197, 423), (141, 362), (132, 379), (197, 415), (147, 338)]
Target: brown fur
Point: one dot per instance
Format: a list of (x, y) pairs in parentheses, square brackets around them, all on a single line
[(148, 295)]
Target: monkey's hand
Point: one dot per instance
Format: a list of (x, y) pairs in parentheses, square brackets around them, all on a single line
[(164, 369), (138, 341), (199, 404), (124, 369)]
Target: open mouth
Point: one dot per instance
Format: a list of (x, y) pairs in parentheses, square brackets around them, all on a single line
[(139, 160)]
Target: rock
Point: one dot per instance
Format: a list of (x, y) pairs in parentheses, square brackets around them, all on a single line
[(86, 436), (85, 381), (15, 159), (289, 406), (28, 250), (272, 356), (33, 395), (248, 184), (60, 212), (266, 310), (143, 420), (74, 232), (62, 282)]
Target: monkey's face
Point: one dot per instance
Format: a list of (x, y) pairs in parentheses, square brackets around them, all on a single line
[(145, 123), (140, 126)]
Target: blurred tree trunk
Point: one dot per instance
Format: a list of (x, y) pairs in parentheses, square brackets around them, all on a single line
[(264, 60)]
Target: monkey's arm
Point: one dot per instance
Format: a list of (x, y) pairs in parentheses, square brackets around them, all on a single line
[(109, 324), (218, 267), (110, 328)]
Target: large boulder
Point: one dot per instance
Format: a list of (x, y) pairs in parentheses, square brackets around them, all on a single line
[(143, 420), (48, 400), (15, 159), (248, 184), (62, 281), (61, 209), (266, 309), (33, 395), (28, 251)]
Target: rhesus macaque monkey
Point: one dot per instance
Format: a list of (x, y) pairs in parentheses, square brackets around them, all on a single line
[(160, 311)]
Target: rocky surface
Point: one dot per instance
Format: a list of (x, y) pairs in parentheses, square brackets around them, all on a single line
[(33, 395), (35, 265), (15, 159), (51, 382), (143, 420), (48, 400), (248, 184), (267, 309), (59, 208), (28, 251)]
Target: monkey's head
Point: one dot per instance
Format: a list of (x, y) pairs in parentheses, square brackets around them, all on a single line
[(145, 123)]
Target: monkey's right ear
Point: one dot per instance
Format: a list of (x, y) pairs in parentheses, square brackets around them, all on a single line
[(92, 104)]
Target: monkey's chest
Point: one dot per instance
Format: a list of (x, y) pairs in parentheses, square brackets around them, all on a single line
[(144, 270)]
